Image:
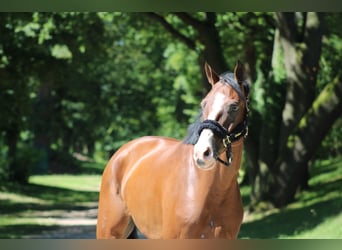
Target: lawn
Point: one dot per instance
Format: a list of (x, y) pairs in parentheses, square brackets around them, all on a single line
[(316, 213), (45, 203)]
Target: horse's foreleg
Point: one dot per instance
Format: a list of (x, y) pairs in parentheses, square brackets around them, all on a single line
[(234, 213), (113, 220)]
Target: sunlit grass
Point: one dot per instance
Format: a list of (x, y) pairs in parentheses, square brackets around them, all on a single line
[(330, 228), (72, 182), (20, 198)]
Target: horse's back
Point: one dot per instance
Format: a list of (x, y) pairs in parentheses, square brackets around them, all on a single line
[(144, 162), (130, 156), (135, 151)]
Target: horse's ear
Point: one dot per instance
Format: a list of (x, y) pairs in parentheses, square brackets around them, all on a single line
[(239, 72), (211, 74)]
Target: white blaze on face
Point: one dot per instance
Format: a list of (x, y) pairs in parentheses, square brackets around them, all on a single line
[(204, 148), (216, 106)]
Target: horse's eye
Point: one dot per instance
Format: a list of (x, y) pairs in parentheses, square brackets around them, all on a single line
[(234, 108)]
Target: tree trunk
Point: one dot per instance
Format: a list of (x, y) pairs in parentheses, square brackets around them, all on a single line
[(12, 136), (305, 120), (12, 123), (42, 111), (208, 35), (302, 144), (212, 52), (302, 51)]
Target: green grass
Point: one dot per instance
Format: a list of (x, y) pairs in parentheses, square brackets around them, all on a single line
[(316, 213), (68, 182), (35, 208)]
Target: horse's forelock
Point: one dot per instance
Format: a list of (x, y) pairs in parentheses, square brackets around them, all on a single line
[(229, 79)]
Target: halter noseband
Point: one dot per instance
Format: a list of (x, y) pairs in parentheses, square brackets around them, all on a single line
[(241, 130)]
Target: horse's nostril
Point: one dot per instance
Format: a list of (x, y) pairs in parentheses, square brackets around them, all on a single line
[(207, 153)]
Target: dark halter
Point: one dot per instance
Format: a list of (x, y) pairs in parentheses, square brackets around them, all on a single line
[(241, 130)]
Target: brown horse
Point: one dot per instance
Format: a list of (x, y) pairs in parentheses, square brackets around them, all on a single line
[(182, 189)]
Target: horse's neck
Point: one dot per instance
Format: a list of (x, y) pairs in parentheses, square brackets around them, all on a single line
[(227, 175), (237, 149), (210, 188)]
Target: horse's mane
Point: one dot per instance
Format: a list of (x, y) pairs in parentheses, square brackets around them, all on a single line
[(192, 134)]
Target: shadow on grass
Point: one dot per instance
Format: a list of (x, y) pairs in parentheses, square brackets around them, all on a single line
[(54, 194), (291, 221), (52, 198), (15, 231), (323, 200), (326, 166), (92, 168), (47, 232), (67, 232)]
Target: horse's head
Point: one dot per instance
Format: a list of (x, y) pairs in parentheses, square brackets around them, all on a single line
[(224, 114)]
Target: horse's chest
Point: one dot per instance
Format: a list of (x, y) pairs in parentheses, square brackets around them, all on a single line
[(205, 229), (200, 222)]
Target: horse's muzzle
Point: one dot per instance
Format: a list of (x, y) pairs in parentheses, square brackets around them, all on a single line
[(204, 150)]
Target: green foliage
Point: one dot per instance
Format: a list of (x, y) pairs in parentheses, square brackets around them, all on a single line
[(34, 94), (89, 82), (332, 143), (180, 104), (331, 57), (27, 159)]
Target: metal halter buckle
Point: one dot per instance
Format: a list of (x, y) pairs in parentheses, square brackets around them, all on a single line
[(226, 141), (246, 133)]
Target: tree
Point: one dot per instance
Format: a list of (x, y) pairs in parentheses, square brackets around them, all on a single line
[(16, 88), (282, 145), (206, 35), (306, 117), (67, 92), (36, 98)]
